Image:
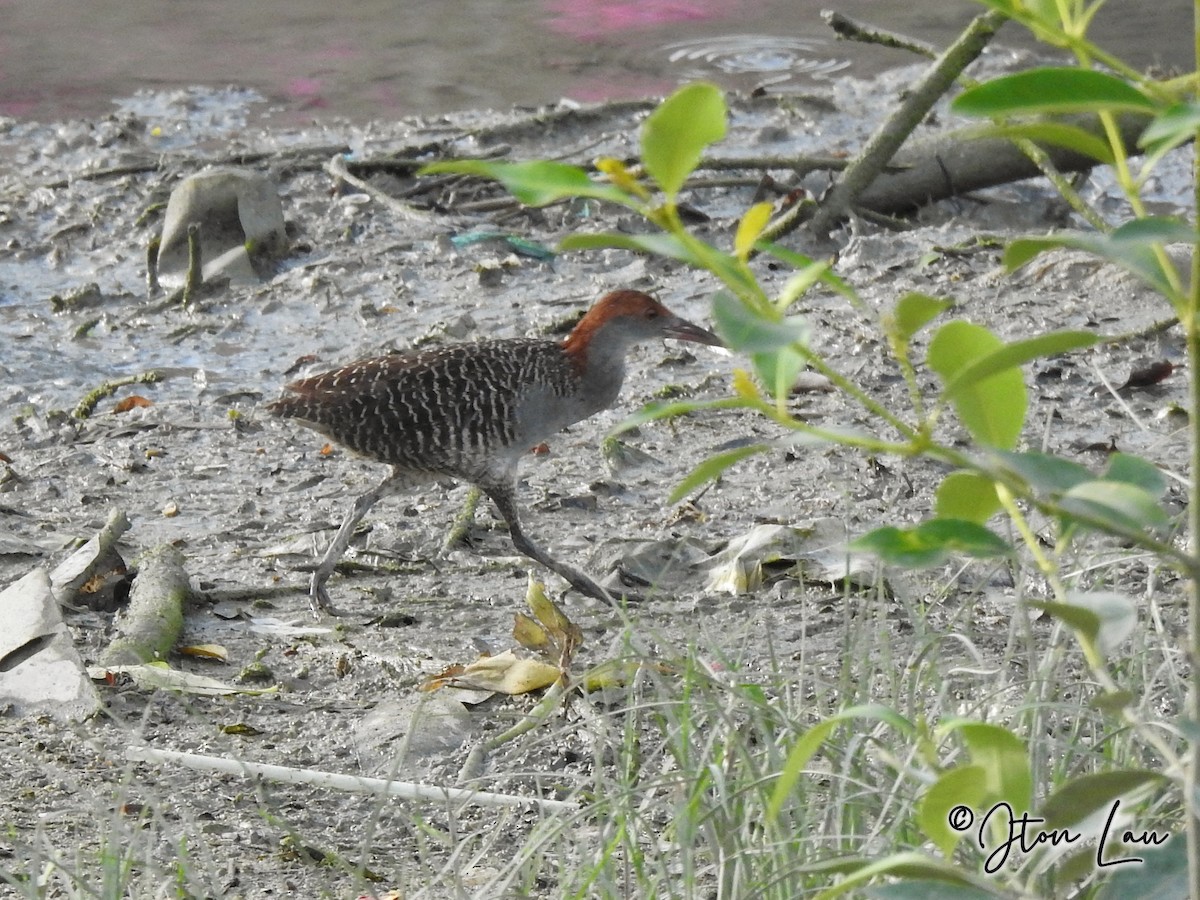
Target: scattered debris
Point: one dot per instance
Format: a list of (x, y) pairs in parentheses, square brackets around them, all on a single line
[(241, 222), (40, 670), (98, 558), (157, 676)]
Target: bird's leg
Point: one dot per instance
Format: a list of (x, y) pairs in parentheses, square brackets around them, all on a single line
[(506, 504), (317, 594)]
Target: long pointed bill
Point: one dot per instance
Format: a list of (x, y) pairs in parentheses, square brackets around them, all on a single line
[(683, 330)]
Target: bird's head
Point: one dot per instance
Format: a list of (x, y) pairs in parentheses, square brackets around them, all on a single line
[(625, 317)]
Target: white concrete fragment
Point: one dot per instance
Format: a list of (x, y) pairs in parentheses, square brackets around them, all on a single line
[(40, 670)]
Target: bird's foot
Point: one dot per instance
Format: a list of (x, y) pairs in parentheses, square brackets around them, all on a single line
[(624, 596), (319, 600), (615, 595), (625, 587)]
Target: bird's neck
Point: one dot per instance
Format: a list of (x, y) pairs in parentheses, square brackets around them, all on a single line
[(598, 358)]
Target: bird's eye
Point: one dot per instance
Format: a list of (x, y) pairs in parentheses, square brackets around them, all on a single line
[(652, 314)]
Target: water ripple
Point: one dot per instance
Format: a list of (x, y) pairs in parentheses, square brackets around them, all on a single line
[(780, 59)]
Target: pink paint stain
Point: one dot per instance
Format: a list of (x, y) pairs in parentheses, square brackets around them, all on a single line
[(309, 90), (18, 108), (306, 91), (587, 20)]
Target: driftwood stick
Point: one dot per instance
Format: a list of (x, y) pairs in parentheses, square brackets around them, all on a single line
[(884, 143), (959, 162), (848, 29), (152, 624)]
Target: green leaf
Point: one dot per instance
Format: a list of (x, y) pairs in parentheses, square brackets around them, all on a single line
[(1163, 872), (1042, 16), (666, 245), (676, 133), (1082, 620), (1171, 128), (810, 742), (1058, 134), (993, 407), (966, 495), (1131, 247), (749, 228), (1052, 90), (799, 261), (1114, 504), (798, 285), (712, 468), (931, 542), (778, 370), (1005, 760), (1043, 472), (652, 412), (962, 786), (747, 331), (534, 183), (1136, 471), (692, 252), (927, 889), (1087, 795), (912, 313), (907, 864), (1102, 620), (1018, 353)]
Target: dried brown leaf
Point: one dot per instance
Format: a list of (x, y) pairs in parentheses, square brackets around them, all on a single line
[(131, 402), (206, 651)]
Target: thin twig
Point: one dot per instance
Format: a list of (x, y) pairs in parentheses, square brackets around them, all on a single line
[(800, 164), (1152, 330), (848, 29), (160, 163), (336, 166), (406, 790), (490, 204), (152, 285), (85, 407), (541, 119), (887, 139), (194, 280)]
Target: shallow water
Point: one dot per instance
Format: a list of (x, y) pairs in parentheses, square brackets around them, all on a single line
[(368, 59)]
